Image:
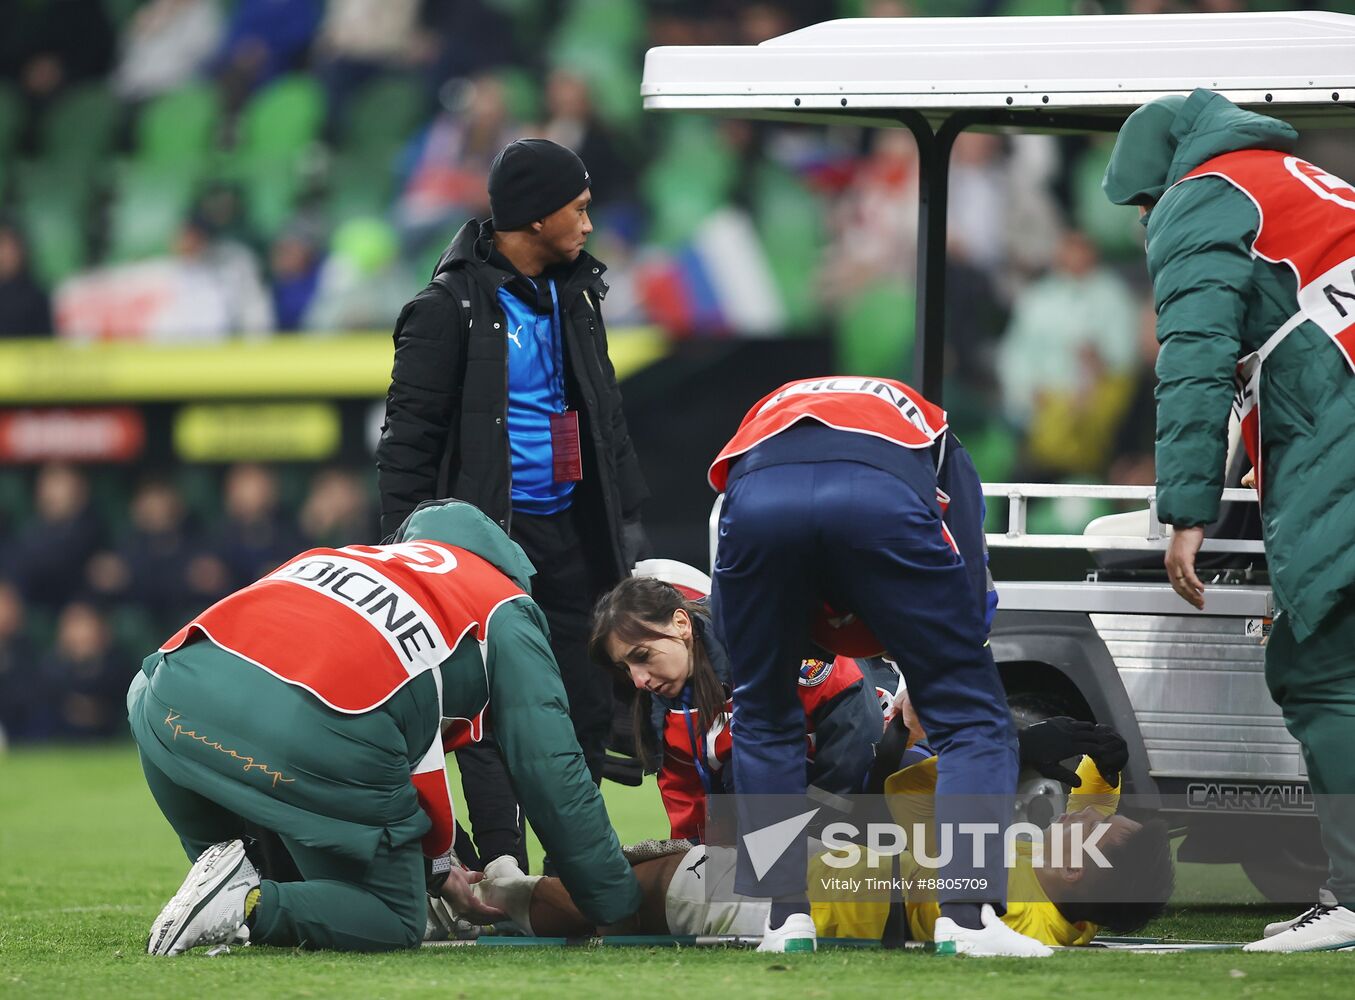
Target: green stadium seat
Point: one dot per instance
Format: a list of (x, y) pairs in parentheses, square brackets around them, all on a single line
[(1036, 8), (57, 242), (1113, 228), (612, 29), (521, 94), (875, 331), (601, 40), (359, 185), (614, 86), (688, 180), (76, 134), (276, 129), (179, 127), (149, 203), (80, 125), (384, 114), (994, 449), (45, 182), (272, 189), (789, 220), (282, 119)]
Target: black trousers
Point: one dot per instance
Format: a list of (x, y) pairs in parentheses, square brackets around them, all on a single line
[(568, 582)]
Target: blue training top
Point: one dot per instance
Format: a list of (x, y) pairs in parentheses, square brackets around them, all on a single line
[(536, 389)]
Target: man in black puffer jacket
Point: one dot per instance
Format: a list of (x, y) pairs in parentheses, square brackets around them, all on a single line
[(503, 395)]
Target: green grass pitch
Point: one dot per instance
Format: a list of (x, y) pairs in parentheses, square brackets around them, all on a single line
[(86, 862)]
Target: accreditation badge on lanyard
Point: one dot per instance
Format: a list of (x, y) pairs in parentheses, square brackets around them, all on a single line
[(566, 454)]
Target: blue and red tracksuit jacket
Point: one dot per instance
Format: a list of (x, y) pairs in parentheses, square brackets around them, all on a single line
[(843, 723)]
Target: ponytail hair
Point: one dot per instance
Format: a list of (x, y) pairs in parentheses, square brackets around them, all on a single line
[(640, 609)]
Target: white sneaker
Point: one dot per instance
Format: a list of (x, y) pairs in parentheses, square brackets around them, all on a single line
[(1324, 898), (995, 940), (1323, 928), (209, 907), (796, 934)]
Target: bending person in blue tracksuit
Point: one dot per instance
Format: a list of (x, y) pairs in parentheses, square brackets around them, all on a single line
[(834, 509)]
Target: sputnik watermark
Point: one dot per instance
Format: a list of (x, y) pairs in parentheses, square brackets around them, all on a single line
[(933, 846), (936, 847)]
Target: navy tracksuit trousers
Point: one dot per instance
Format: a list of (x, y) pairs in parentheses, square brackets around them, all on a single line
[(817, 515)]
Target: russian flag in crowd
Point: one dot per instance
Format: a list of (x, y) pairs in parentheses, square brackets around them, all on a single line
[(719, 283)]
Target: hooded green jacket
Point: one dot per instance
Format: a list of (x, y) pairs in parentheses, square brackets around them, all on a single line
[(1215, 303), (356, 768), (529, 719)]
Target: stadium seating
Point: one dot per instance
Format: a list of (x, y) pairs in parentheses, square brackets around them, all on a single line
[(383, 115), (691, 177), (603, 41), (148, 204), (359, 184), (53, 201), (789, 220), (179, 128), (81, 126), (1113, 228), (875, 329), (277, 129)]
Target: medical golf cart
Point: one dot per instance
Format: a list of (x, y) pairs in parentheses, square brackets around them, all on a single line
[(1186, 689)]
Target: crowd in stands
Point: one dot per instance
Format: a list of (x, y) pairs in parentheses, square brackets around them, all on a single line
[(97, 571), (208, 169), (203, 170)]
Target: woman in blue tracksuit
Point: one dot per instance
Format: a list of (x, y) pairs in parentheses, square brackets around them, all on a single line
[(660, 638)]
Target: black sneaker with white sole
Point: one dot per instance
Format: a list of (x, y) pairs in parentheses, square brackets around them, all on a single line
[(209, 908)]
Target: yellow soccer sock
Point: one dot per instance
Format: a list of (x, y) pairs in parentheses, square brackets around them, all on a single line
[(251, 901)]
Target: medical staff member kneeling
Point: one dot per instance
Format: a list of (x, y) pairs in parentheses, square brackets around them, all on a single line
[(317, 704)]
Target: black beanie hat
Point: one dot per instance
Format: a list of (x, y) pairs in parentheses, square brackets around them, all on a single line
[(532, 178)]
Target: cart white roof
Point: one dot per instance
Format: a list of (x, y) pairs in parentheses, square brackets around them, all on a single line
[(1300, 66)]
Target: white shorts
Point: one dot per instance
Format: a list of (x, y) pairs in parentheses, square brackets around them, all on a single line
[(694, 904)]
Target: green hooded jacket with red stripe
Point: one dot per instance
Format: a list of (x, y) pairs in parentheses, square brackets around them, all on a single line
[(1217, 301)]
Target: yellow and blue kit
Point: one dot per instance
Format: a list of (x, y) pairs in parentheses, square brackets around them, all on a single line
[(911, 796)]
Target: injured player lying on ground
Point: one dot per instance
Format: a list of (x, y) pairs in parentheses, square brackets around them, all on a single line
[(690, 890)]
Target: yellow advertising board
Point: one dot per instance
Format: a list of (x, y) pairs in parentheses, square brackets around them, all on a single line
[(356, 365), (258, 432)]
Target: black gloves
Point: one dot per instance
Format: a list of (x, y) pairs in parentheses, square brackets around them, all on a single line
[(1045, 744)]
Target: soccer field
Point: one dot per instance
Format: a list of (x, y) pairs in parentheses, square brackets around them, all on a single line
[(87, 863)]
